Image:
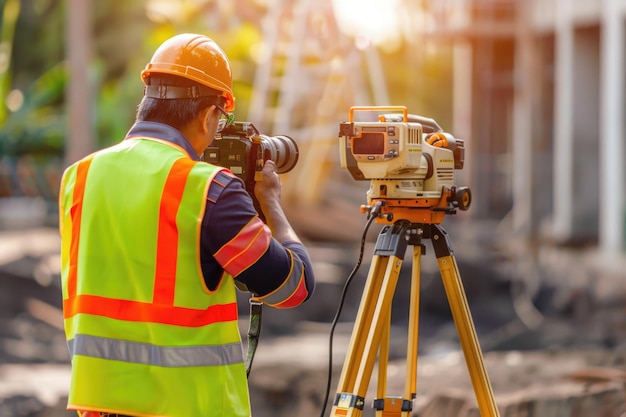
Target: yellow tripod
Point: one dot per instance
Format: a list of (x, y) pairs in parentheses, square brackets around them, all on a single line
[(372, 325)]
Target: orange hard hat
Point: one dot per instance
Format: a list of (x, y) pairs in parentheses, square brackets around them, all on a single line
[(197, 58)]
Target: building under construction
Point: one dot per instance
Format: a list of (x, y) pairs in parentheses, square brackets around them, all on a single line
[(537, 95)]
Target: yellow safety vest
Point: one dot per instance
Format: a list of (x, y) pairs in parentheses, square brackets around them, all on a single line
[(146, 336)]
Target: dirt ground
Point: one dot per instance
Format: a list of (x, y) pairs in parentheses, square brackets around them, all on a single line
[(551, 348)]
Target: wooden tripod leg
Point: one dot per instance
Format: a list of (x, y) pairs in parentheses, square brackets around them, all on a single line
[(395, 406), (410, 384), (346, 399), (373, 316), (463, 321), (383, 355)]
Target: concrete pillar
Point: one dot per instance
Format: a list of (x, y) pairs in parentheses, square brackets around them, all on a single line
[(462, 107), (522, 146), (585, 135), (80, 136), (562, 214), (612, 183)]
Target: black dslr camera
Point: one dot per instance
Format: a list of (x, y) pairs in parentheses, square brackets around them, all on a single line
[(242, 149)]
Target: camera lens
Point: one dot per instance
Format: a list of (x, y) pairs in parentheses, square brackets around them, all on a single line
[(282, 150)]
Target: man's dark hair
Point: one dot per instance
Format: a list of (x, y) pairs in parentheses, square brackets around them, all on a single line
[(177, 112)]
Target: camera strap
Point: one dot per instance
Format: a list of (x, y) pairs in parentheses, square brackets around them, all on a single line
[(254, 331)]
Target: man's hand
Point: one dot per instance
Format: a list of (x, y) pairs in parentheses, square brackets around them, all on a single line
[(267, 191)]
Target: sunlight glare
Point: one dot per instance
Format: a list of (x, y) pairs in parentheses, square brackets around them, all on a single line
[(369, 21), (163, 11)]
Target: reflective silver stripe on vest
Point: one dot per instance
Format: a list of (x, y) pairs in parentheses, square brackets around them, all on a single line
[(290, 285), (144, 353)]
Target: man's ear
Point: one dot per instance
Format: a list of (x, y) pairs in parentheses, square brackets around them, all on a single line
[(204, 117)]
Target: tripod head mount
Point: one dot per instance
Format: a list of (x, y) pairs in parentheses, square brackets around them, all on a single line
[(417, 210)]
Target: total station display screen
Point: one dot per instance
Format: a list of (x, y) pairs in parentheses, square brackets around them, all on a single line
[(369, 144)]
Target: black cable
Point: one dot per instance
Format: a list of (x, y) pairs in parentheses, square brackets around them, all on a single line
[(375, 211)]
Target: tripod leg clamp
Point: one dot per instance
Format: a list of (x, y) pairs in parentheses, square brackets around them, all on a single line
[(396, 404), (346, 401)]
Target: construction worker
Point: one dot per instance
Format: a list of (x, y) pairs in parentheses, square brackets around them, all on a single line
[(154, 241)]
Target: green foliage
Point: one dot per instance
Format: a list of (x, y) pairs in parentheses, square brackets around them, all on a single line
[(34, 81), (38, 126), (117, 103), (38, 44), (37, 71), (238, 44), (121, 49)]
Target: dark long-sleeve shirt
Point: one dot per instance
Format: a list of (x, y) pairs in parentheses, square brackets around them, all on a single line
[(264, 265)]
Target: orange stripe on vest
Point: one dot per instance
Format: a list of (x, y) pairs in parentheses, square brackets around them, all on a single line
[(146, 312), (167, 240), (76, 212)]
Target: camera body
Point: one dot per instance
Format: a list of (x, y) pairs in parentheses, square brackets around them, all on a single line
[(409, 160), (242, 149)]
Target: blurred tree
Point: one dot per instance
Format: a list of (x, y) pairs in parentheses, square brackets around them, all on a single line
[(33, 77), (34, 84), (32, 80)]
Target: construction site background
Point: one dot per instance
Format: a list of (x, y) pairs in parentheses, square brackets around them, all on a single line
[(533, 87)]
